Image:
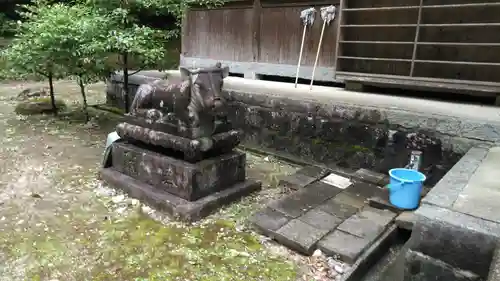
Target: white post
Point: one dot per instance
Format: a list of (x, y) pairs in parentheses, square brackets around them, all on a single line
[(327, 14), (307, 17), (300, 55)]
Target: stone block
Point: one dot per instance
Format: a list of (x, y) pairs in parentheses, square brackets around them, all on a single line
[(295, 181), (348, 247), (173, 205), (190, 181), (320, 219), (351, 199), (442, 234), (370, 176), (382, 203), (296, 204), (447, 190), (314, 171), (420, 267), (322, 189), (364, 190), (268, 221), (338, 209), (300, 236), (368, 223)]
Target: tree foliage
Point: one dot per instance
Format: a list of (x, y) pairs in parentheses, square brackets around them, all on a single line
[(131, 39), (35, 48), (57, 40)]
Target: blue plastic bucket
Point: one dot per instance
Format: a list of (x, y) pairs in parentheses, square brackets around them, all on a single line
[(405, 187)]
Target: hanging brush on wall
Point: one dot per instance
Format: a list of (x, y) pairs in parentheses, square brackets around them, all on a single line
[(328, 15), (307, 17)]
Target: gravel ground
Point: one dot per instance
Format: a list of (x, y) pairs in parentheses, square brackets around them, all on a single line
[(58, 222)]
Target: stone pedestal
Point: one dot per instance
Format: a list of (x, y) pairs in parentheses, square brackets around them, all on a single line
[(190, 181), (185, 177)]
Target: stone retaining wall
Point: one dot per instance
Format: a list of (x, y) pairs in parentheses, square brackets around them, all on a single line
[(325, 131)]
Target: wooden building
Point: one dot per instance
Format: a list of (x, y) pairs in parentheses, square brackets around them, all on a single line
[(451, 45)]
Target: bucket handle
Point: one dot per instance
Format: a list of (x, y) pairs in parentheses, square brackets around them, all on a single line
[(397, 186)]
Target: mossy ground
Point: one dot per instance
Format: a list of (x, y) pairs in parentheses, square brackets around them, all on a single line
[(58, 222), (38, 106)]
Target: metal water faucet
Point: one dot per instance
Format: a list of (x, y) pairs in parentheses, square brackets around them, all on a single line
[(415, 160)]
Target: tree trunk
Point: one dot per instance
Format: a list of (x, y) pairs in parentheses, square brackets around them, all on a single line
[(84, 97), (125, 81), (52, 96)]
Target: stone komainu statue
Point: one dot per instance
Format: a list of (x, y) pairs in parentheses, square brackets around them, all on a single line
[(191, 100)]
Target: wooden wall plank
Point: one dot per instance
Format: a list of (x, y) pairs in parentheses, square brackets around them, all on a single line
[(219, 34), (281, 30)]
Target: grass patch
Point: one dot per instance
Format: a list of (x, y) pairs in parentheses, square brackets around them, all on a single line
[(139, 248)]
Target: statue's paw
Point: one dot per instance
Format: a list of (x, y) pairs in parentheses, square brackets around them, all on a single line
[(154, 115)]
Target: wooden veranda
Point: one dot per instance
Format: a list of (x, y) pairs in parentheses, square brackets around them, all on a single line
[(451, 45)]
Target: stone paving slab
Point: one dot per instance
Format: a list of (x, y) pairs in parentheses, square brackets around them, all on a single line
[(351, 200), (348, 247), (300, 236), (372, 177), (268, 221), (314, 172), (339, 219), (368, 223), (338, 208), (295, 181), (298, 203), (365, 190), (320, 219)]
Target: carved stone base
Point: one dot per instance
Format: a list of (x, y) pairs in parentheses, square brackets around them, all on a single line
[(177, 207), (189, 181), (192, 150)]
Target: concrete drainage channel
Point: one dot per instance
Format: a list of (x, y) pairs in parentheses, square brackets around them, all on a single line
[(384, 263)]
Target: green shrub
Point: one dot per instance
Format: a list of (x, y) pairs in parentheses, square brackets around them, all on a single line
[(38, 106)]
